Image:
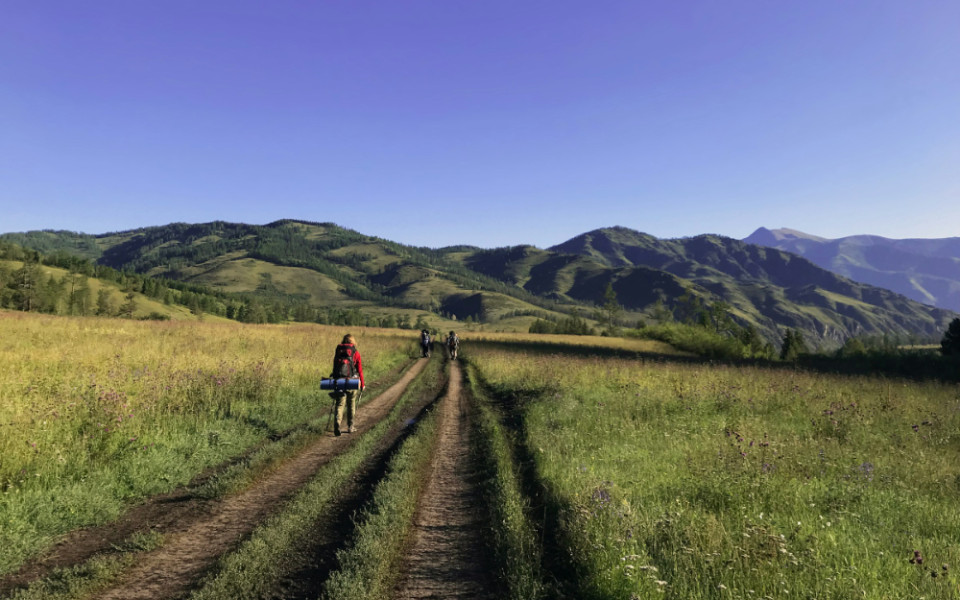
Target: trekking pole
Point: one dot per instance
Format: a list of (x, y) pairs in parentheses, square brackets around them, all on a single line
[(333, 406)]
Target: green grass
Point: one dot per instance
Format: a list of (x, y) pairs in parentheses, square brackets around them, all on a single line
[(517, 549), (685, 481)]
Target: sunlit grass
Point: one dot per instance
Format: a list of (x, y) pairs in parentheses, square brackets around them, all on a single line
[(707, 481), (97, 412), (583, 343)]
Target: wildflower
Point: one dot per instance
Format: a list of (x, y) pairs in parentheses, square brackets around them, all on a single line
[(917, 558)]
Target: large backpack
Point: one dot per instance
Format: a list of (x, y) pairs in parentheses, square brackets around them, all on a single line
[(344, 361), (453, 342), (424, 338)]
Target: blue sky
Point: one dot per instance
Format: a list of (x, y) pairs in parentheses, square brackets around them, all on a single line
[(489, 123)]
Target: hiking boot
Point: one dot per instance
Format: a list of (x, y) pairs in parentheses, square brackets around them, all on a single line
[(350, 429), (336, 432)]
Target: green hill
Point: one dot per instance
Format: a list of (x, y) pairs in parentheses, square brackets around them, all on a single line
[(769, 288), (312, 271), (319, 265), (81, 289), (925, 270)]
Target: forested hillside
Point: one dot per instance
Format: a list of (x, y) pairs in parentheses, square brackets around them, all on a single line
[(320, 272), (70, 285)]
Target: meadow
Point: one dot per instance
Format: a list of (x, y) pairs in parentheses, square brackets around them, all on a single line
[(611, 467), (98, 413), (664, 479)]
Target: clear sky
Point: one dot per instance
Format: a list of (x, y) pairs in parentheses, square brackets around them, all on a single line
[(491, 123)]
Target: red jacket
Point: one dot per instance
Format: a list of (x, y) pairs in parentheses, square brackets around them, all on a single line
[(356, 361)]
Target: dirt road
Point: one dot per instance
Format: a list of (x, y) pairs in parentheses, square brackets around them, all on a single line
[(447, 558), (190, 551)]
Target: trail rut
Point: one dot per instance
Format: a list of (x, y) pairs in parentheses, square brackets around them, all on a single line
[(447, 556)]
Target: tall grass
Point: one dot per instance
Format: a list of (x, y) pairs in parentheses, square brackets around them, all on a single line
[(516, 547), (95, 413), (689, 481)]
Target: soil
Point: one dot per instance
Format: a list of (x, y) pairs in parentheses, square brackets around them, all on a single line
[(447, 556), (199, 531)]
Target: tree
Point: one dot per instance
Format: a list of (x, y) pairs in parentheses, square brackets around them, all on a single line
[(542, 326), (852, 347), (28, 281), (80, 298), (793, 345), (689, 309), (105, 304), (660, 313), (127, 308), (421, 323), (720, 316), (950, 345), (610, 310), (252, 312)]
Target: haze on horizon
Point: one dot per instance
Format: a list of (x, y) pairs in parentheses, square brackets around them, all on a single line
[(433, 123)]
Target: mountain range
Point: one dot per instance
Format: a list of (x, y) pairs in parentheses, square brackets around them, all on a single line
[(925, 270), (324, 265)]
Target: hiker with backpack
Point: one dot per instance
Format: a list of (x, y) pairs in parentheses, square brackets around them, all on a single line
[(346, 365), (424, 344), (453, 345)]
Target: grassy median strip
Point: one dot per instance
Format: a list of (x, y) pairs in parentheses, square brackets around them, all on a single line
[(369, 565), (517, 550), (261, 562)]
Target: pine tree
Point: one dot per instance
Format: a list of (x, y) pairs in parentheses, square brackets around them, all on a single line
[(793, 345), (105, 305), (28, 282), (610, 310), (128, 307), (950, 345)]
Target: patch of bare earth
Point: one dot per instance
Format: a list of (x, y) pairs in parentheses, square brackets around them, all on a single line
[(447, 557), (199, 531)]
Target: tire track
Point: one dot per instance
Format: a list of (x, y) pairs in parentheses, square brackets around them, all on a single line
[(195, 547), (447, 556)]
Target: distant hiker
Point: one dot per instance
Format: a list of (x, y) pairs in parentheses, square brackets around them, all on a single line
[(453, 345), (346, 364), (425, 344)]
